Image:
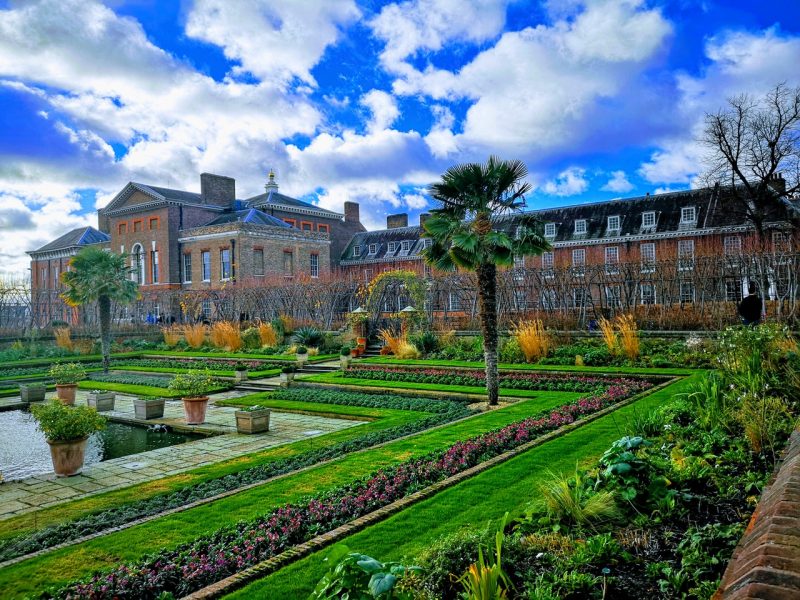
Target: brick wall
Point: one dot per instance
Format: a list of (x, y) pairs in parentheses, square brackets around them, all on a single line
[(766, 563)]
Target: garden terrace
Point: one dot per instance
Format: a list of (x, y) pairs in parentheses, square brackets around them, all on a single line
[(249, 504)]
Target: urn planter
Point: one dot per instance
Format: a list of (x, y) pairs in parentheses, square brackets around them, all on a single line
[(252, 421), (101, 401), (148, 408), (194, 407), (68, 456), (66, 393), (32, 392), (240, 376), (345, 361), (301, 360), (287, 378)]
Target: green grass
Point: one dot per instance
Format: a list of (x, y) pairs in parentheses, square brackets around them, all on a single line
[(237, 355), (526, 367), (338, 378), (35, 362), (506, 487), (129, 388), (217, 373), (61, 566)]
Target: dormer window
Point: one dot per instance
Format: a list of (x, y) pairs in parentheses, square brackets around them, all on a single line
[(427, 242), (613, 223), (648, 219), (392, 247), (373, 248), (550, 230), (405, 245), (356, 251), (580, 226), (688, 214)]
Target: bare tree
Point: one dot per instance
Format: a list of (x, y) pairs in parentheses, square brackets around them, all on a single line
[(754, 147)]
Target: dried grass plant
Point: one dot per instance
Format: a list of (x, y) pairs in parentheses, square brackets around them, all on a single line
[(195, 335), (628, 336), (532, 338), (172, 334), (226, 335), (268, 336), (63, 338)]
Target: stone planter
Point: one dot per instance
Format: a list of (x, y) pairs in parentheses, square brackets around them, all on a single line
[(345, 361), (32, 392), (195, 409), (240, 376), (252, 421), (101, 401), (287, 378), (66, 393), (68, 456), (301, 359), (148, 408)]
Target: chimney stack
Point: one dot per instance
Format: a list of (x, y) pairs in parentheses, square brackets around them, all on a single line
[(351, 212), (423, 217), (217, 189), (396, 221), (777, 183)]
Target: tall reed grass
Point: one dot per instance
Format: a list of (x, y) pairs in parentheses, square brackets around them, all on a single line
[(63, 338), (398, 344), (532, 338), (195, 335), (172, 334), (226, 335), (268, 335), (628, 336)]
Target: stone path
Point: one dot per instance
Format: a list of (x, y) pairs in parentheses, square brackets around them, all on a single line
[(43, 491)]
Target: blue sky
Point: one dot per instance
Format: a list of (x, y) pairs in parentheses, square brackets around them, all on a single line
[(364, 100)]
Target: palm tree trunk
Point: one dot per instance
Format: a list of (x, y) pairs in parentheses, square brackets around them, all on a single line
[(104, 304), (487, 304)]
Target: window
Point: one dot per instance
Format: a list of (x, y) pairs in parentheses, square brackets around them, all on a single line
[(613, 223), (519, 261), (55, 276), (685, 255), (549, 300), (580, 226), (291, 222), (547, 260), (187, 267), (733, 290), (392, 247), (288, 263), (205, 260), (687, 292), (306, 226), (648, 257), (578, 261), (43, 277), (323, 228), (356, 251), (453, 301), (427, 242), (612, 260), (258, 262), (314, 265), (207, 309), (648, 219), (520, 299), (154, 266), (367, 275), (733, 245), (427, 271), (614, 296), (781, 241), (405, 245), (688, 214), (579, 297), (122, 228), (137, 226), (153, 223), (550, 230), (373, 248), (137, 264), (648, 293), (225, 263)]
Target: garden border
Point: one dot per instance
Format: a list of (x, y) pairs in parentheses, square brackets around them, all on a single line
[(257, 571)]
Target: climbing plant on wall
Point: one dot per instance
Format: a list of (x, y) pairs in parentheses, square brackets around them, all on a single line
[(394, 284)]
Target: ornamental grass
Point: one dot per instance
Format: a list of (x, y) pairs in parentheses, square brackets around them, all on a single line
[(195, 335), (628, 336), (226, 335), (269, 337), (609, 335), (532, 338), (398, 344), (172, 335)]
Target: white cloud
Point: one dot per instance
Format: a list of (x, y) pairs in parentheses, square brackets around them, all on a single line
[(440, 139), (383, 107), (275, 40), (618, 183), (415, 201), (570, 182)]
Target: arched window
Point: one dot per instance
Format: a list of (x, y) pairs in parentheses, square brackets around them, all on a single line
[(137, 264)]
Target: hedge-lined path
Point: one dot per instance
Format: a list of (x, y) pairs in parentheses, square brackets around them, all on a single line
[(44, 491)]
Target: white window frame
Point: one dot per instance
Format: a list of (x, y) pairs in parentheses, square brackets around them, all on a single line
[(391, 248), (614, 296), (137, 264), (427, 242), (154, 272), (581, 293), (579, 262), (356, 251), (222, 262), (611, 227), (732, 245), (187, 273), (263, 263), (580, 226), (205, 275), (648, 264), (781, 242), (652, 295), (685, 255), (688, 285), (367, 275), (548, 263), (373, 249), (612, 264), (453, 302), (206, 308), (405, 245), (688, 210), (549, 230), (648, 216), (313, 265)]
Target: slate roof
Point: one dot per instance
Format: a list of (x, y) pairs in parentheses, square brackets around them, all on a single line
[(249, 215), (83, 236), (276, 198), (174, 195)]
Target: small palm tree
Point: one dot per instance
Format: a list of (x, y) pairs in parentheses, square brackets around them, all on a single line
[(471, 231), (100, 276)]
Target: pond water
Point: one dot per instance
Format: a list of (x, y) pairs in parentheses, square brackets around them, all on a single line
[(25, 453)]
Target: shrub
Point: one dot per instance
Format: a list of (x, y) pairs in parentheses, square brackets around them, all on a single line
[(67, 373), (195, 335), (193, 384), (628, 336), (308, 336), (510, 352), (172, 335), (269, 337), (63, 339), (426, 342), (766, 421), (279, 328), (532, 338), (572, 501), (226, 335), (345, 351), (301, 350), (61, 423), (251, 338)]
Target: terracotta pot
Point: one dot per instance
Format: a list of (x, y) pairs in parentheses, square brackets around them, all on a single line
[(362, 341), (66, 393), (354, 352), (253, 421), (68, 456), (195, 410)]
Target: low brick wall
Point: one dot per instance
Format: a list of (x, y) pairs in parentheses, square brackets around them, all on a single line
[(766, 563)]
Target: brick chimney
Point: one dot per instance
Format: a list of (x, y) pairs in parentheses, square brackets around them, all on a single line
[(395, 221), (423, 217), (777, 183), (352, 212), (217, 189)]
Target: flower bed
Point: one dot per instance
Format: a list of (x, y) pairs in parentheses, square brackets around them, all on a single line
[(212, 558), (476, 378)]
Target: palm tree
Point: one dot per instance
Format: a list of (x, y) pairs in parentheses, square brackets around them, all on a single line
[(100, 276), (470, 231)]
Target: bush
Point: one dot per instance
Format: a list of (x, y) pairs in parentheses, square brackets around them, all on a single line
[(251, 338), (193, 384), (301, 350), (426, 342), (510, 352), (345, 351), (308, 336), (67, 373), (61, 423)]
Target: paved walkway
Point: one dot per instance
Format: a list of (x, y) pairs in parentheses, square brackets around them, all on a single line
[(43, 491)]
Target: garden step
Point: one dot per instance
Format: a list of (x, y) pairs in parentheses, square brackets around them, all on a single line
[(257, 386)]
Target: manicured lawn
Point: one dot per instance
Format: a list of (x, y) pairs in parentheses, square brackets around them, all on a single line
[(526, 367), (129, 388), (507, 487), (35, 362), (64, 565), (236, 355), (217, 373)]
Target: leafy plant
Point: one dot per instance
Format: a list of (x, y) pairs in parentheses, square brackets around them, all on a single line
[(426, 342), (487, 581), (289, 369), (251, 338), (572, 501), (308, 336), (193, 384), (67, 373), (766, 420), (301, 350), (61, 423), (345, 351)]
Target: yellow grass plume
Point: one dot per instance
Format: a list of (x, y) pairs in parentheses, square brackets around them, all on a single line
[(63, 338), (226, 335), (172, 334), (268, 335), (195, 335), (532, 338)]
